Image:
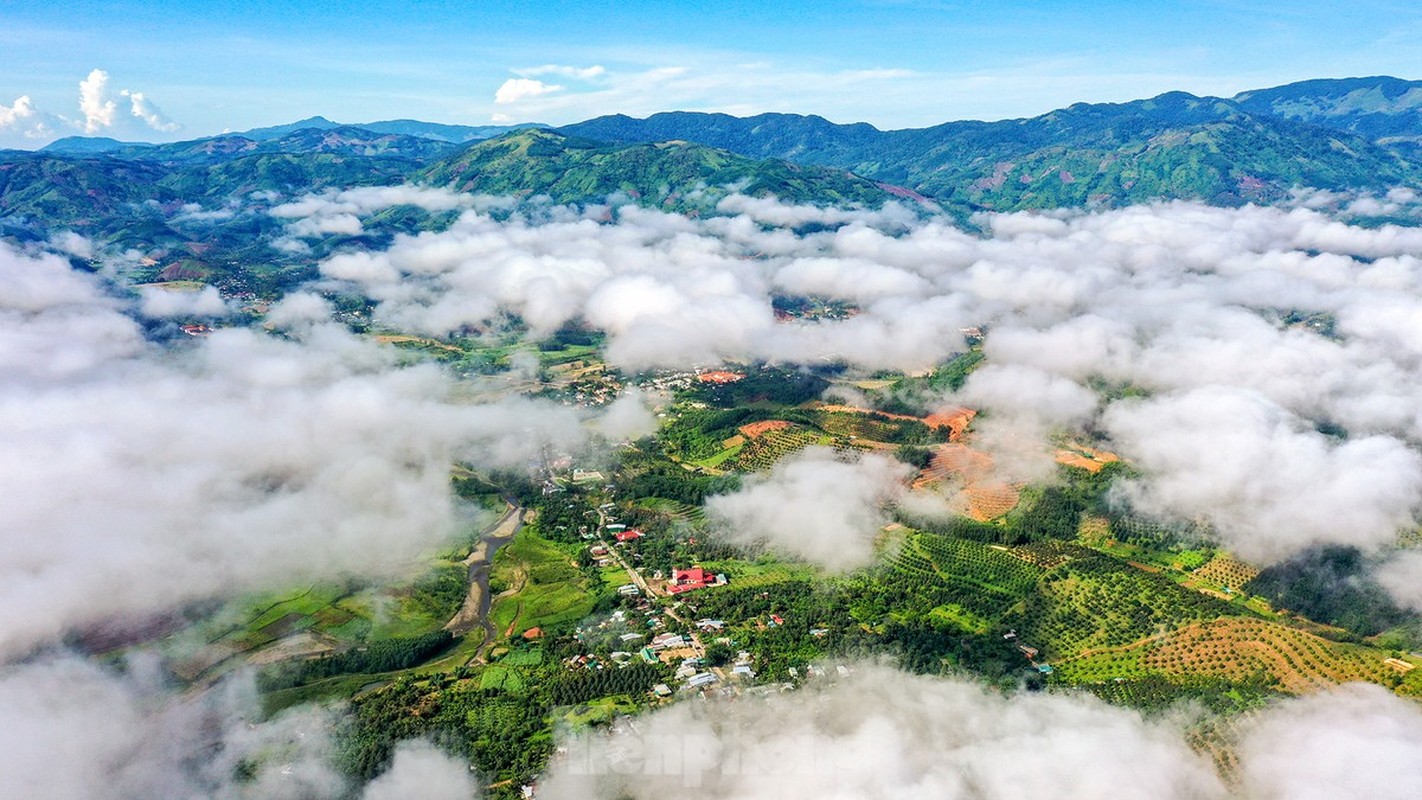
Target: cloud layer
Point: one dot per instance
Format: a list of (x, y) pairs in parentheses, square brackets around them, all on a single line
[(73, 729), (1260, 365), (883, 733), (813, 505), (137, 477)]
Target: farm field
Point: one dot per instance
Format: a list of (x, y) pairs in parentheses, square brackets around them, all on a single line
[(1094, 601), (1237, 649)]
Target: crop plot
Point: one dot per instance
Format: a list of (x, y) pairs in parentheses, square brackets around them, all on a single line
[(1084, 457), (1237, 649), (774, 443), (1227, 572)]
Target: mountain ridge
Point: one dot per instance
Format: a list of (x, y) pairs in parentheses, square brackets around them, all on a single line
[(1172, 146)]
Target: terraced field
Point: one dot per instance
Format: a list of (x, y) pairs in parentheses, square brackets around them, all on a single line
[(1237, 649), (956, 461), (1093, 601), (1083, 457), (1227, 572), (988, 501), (673, 509), (860, 426), (761, 452)]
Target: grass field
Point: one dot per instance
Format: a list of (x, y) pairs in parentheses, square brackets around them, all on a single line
[(547, 588), (673, 509), (599, 710), (503, 678), (763, 571)]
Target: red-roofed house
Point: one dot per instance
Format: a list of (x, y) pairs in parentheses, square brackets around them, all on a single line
[(685, 580), (627, 536)]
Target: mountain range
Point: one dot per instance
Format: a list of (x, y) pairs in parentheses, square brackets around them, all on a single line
[(196, 200), (1359, 134)]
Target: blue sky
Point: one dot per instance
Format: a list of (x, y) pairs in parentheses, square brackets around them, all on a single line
[(202, 67)]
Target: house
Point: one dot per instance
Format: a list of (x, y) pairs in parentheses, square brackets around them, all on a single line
[(662, 690), (685, 580), (627, 536), (628, 590), (700, 679), (664, 640)]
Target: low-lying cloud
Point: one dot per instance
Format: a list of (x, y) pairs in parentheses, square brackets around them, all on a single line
[(883, 733), (815, 505), (136, 477), (1224, 351), (1268, 482), (74, 729)]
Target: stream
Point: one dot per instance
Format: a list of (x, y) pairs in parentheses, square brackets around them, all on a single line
[(475, 611)]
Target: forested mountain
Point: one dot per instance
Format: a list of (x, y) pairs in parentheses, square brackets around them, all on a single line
[(1380, 107), (1172, 146)]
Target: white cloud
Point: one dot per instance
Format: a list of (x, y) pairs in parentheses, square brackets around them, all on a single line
[(163, 303), (26, 125), (1269, 484), (142, 108), (16, 114), (1401, 576), (94, 102), (628, 417), (136, 479), (23, 126), (883, 733), (515, 89), (419, 769), (813, 505), (339, 212), (1181, 302), (1354, 741), (580, 73), (73, 729)]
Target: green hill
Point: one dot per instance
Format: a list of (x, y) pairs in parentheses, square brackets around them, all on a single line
[(673, 175)]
